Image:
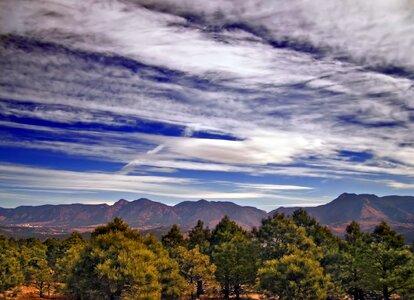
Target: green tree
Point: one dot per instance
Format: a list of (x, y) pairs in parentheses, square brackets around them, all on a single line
[(385, 235), (118, 263), (116, 225), (11, 273), (35, 264), (74, 239), (115, 266), (237, 264), (65, 269), (279, 235), (224, 231), (173, 285), (173, 238), (351, 268), (321, 235), (196, 268), (199, 236), (294, 276), (392, 266)]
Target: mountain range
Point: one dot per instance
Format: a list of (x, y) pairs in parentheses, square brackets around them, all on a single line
[(145, 214), (368, 210), (141, 213)]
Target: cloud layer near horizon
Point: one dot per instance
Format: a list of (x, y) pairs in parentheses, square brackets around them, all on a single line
[(303, 89)]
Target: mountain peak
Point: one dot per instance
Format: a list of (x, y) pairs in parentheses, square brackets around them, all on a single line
[(343, 195), (144, 200), (356, 196), (121, 202)]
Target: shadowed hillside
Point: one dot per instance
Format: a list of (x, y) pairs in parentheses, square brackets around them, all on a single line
[(367, 209), (141, 213)]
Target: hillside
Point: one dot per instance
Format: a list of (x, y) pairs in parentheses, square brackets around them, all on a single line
[(151, 216), (367, 209), (142, 213)]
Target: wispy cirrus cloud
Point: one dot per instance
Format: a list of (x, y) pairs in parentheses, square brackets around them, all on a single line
[(301, 89), (17, 180)]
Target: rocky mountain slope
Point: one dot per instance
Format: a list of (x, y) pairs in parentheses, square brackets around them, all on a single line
[(141, 213), (367, 209), (145, 214)]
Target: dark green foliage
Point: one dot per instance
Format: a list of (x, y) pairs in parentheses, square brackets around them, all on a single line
[(237, 264), (173, 238), (350, 270), (391, 266), (235, 255), (383, 234), (120, 264), (196, 268), (199, 236), (35, 264), (279, 235), (11, 272), (173, 285), (225, 230), (321, 235), (116, 225), (374, 265), (294, 276), (286, 257)]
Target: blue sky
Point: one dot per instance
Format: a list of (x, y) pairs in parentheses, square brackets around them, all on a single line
[(259, 102)]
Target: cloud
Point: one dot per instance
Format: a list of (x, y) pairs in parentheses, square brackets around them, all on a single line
[(26, 184), (372, 32), (273, 187), (399, 185), (276, 88), (60, 181)]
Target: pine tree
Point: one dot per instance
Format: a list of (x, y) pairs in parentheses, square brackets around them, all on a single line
[(11, 273), (279, 235), (196, 268), (294, 276), (236, 262), (392, 265), (199, 236), (173, 238)]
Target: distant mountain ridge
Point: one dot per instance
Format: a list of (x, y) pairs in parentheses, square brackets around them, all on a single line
[(141, 213), (146, 214), (367, 209)]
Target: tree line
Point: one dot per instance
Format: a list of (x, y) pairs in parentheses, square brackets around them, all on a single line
[(289, 257)]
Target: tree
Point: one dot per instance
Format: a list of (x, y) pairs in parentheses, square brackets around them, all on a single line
[(199, 236), (279, 235), (53, 250), (302, 218), (392, 270), (196, 268), (35, 264), (74, 239), (116, 225), (392, 262), (11, 273), (115, 266), (321, 235), (236, 262), (351, 268), (119, 263), (294, 276), (388, 237), (224, 231), (65, 269), (173, 238), (173, 285)]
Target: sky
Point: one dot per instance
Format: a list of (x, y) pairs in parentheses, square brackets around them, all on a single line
[(264, 103)]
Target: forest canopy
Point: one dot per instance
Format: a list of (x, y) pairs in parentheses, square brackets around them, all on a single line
[(290, 257)]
